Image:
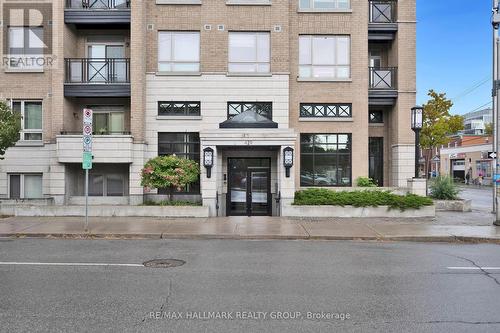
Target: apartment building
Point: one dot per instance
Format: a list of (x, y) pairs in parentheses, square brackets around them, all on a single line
[(330, 82)]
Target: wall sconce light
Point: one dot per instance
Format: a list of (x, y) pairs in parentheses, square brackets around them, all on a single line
[(287, 160), (208, 160)]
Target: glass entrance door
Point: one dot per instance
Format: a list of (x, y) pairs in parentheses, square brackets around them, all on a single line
[(376, 160), (249, 186)]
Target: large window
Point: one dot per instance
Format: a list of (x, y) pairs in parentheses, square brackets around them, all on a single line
[(178, 51), (325, 160), (25, 186), (308, 110), (108, 119), (249, 52), (185, 145), (483, 168), (106, 184), (25, 44), (325, 4), (31, 123), (324, 57), (178, 108), (263, 108)]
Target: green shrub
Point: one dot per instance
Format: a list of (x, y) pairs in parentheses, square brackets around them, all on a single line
[(444, 188), (171, 203), (365, 182), (321, 196)]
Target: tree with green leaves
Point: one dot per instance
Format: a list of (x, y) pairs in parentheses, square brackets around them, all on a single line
[(10, 125), (170, 172), (488, 130), (439, 124)]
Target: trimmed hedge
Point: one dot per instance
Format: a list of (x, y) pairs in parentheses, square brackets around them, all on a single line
[(366, 198)]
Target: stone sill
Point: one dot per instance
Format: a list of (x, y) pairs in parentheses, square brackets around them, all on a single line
[(308, 79), (178, 2), (179, 117), (29, 144), (178, 73), (376, 124), (248, 3), (329, 119), (250, 74), (327, 11), (14, 70)]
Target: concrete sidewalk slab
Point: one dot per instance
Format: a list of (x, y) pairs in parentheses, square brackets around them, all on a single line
[(271, 229), (8, 228), (183, 229), (325, 230)]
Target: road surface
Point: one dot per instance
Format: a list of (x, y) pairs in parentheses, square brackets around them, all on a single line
[(248, 286)]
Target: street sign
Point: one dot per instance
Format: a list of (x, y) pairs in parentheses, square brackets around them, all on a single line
[(87, 160), (492, 155), (436, 159)]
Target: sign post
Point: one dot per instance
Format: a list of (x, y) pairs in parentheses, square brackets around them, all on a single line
[(87, 158)]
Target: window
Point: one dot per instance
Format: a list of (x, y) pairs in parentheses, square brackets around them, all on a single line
[(325, 4), (376, 117), (178, 108), (249, 52), (31, 123), (483, 168), (25, 186), (326, 110), (178, 51), (263, 108), (25, 45), (186, 145), (108, 119), (325, 160), (106, 184), (324, 57)]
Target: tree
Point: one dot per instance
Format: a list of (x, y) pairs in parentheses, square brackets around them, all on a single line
[(438, 124), (169, 172), (488, 129), (10, 125)]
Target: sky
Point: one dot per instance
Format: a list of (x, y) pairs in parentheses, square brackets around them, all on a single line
[(454, 52)]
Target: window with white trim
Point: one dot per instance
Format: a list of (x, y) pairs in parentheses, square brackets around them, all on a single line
[(178, 51), (249, 52), (25, 186), (324, 4), (25, 46), (324, 56), (108, 119), (31, 119)]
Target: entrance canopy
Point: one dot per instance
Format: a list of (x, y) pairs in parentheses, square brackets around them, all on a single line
[(248, 119)]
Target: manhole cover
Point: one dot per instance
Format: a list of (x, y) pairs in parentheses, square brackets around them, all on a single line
[(163, 263)]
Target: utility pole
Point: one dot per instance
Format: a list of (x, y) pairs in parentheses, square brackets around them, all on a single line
[(496, 23)]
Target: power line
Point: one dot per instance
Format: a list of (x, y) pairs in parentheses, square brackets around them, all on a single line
[(480, 107), (472, 88)]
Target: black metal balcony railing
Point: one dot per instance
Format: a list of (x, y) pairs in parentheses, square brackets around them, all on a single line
[(96, 133), (382, 11), (383, 78), (97, 4), (95, 71)]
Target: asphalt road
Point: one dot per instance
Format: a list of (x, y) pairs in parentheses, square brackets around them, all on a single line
[(482, 198), (375, 287)]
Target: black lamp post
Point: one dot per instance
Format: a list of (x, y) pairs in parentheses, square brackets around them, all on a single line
[(208, 160), (287, 160), (417, 122)]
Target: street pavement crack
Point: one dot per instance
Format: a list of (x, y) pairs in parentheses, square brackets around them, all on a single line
[(485, 273)]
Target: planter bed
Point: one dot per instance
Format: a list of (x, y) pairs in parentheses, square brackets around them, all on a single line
[(350, 211), (453, 205)]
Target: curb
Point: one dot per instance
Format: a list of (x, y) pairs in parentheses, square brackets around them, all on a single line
[(98, 236)]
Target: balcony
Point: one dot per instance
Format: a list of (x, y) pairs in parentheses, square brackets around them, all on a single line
[(95, 77), (105, 148), (383, 85), (383, 19), (97, 12)]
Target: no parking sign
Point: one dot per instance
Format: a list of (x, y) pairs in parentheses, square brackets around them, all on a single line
[(87, 138)]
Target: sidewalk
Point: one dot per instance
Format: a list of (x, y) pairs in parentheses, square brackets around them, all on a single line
[(248, 228)]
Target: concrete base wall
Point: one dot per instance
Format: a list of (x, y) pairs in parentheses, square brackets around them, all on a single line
[(454, 205), (349, 211), (104, 211)]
